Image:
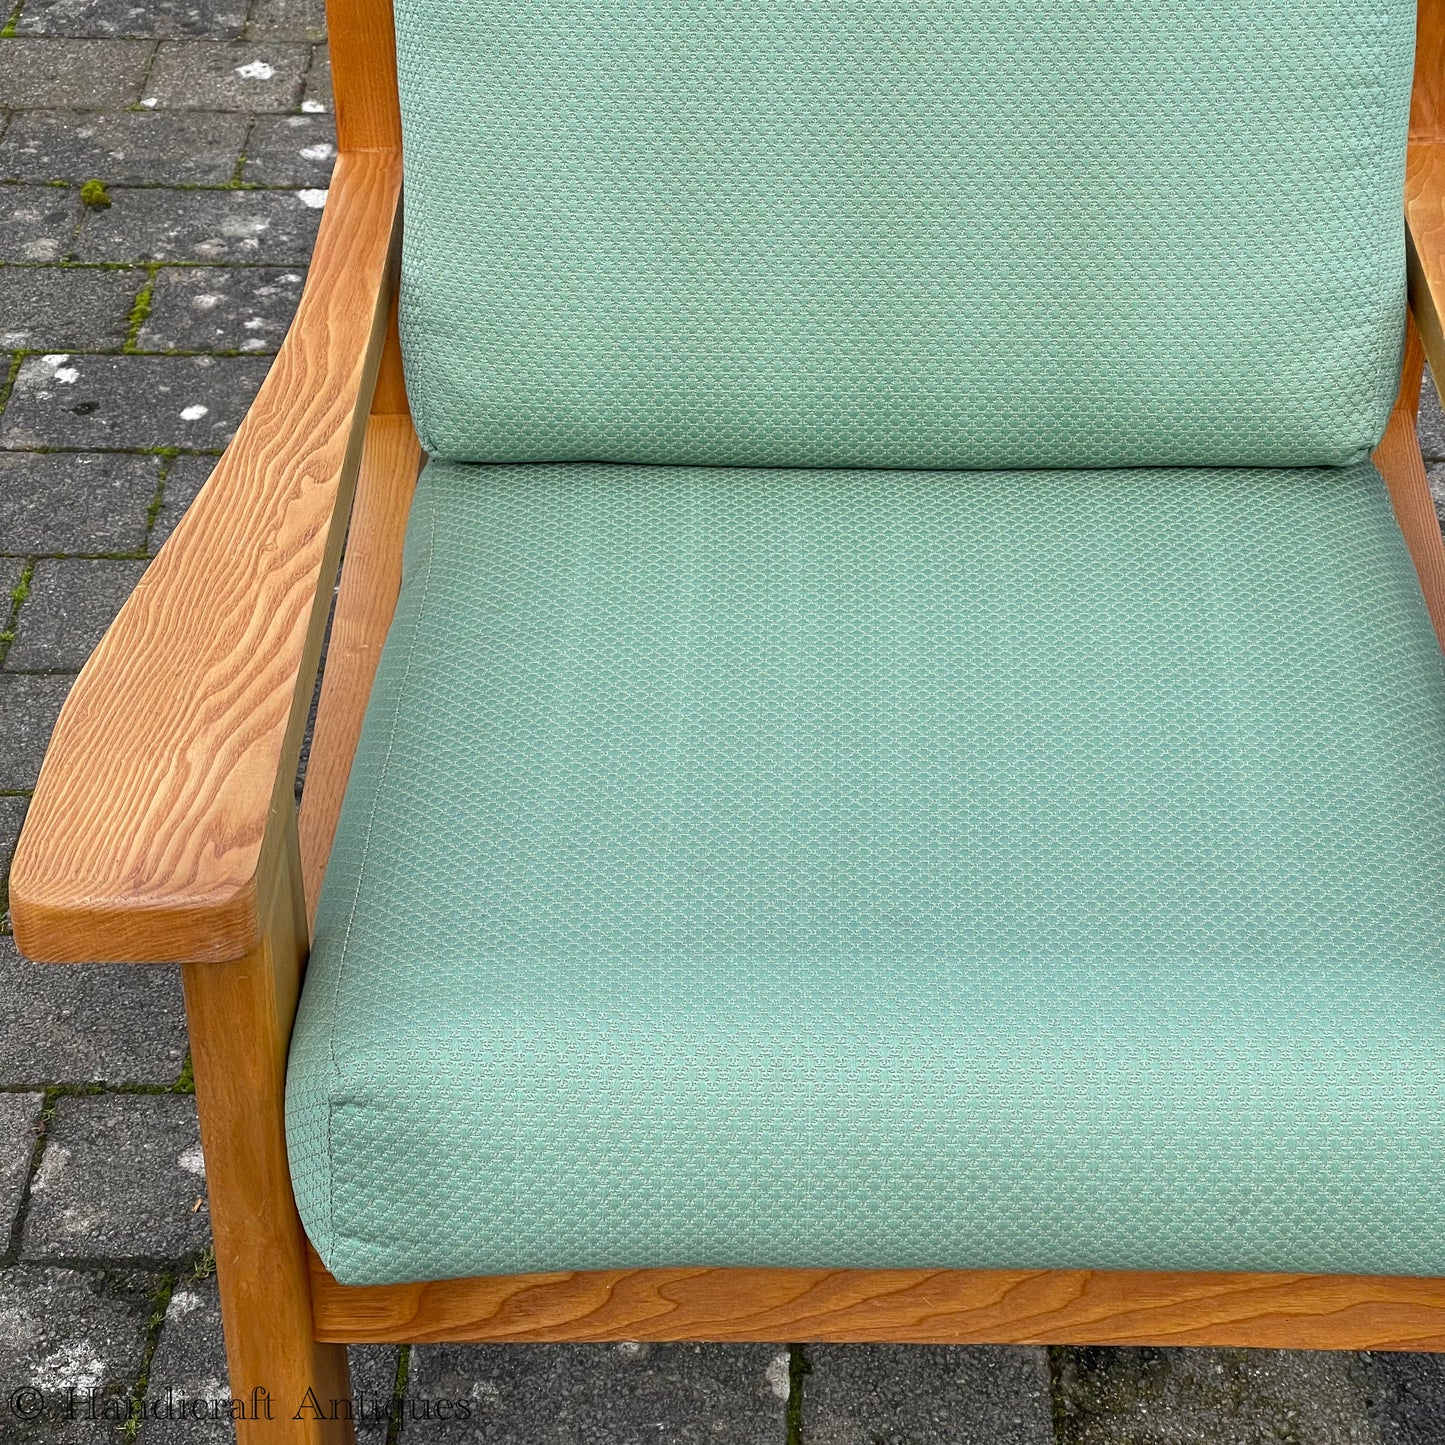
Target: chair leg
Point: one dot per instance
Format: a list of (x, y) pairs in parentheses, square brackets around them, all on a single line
[(285, 1385)]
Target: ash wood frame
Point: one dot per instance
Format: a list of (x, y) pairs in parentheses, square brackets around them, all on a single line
[(163, 830)]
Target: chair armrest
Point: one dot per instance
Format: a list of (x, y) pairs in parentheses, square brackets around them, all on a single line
[(170, 772)]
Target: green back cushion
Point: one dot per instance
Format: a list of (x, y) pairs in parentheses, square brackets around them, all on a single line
[(948, 233)]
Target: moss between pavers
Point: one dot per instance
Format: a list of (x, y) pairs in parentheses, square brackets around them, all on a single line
[(140, 310)]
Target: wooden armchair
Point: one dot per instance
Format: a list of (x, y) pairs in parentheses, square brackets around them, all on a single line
[(163, 829)]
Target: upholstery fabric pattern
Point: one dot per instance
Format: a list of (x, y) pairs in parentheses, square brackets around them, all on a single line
[(886, 869), (948, 233)]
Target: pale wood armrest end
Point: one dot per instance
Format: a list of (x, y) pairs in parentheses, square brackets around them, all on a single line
[(179, 741)]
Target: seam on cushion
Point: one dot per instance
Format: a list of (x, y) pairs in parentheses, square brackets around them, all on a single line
[(361, 873)]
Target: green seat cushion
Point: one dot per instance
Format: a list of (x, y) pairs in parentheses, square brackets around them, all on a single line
[(947, 233), (886, 869)]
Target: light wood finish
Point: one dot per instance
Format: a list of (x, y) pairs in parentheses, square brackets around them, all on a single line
[(389, 398), (145, 837), (1399, 462), (1427, 100), (1425, 215), (240, 1015), (914, 1306), (362, 43), (370, 581), (163, 828)]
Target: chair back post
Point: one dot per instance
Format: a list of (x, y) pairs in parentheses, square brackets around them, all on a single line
[(363, 74), (368, 117), (1427, 101)]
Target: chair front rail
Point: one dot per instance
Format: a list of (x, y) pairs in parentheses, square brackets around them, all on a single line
[(955, 1307)]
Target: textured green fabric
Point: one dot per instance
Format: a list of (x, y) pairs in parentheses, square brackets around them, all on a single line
[(947, 233), (870, 868)]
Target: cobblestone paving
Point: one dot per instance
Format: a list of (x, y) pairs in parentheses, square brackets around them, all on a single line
[(163, 165)]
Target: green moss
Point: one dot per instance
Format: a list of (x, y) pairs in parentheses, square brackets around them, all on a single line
[(798, 1366), (139, 311), (160, 1302), (398, 1395), (94, 193), (1060, 1373), (11, 618), (8, 384)]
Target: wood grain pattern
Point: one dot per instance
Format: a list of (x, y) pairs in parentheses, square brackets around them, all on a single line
[(362, 41), (370, 581), (1427, 99), (912, 1306), (390, 398), (1425, 230), (162, 829), (1399, 462), (178, 741), (261, 1251)]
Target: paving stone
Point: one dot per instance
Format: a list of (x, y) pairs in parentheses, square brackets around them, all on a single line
[(188, 1370), (1184, 1396), (1409, 1398), (189, 1365), (125, 148), (11, 569), (910, 1394), (75, 501), (19, 1116), (316, 96), (373, 1387), (250, 75), (29, 706), (78, 1339), (119, 1178), (129, 402), (52, 307), (185, 477), (221, 308), (88, 73), (260, 227), (290, 150), (161, 19), (287, 20), (1431, 426), (12, 818), (37, 222), (102, 1023), (72, 601), (596, 1394)]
